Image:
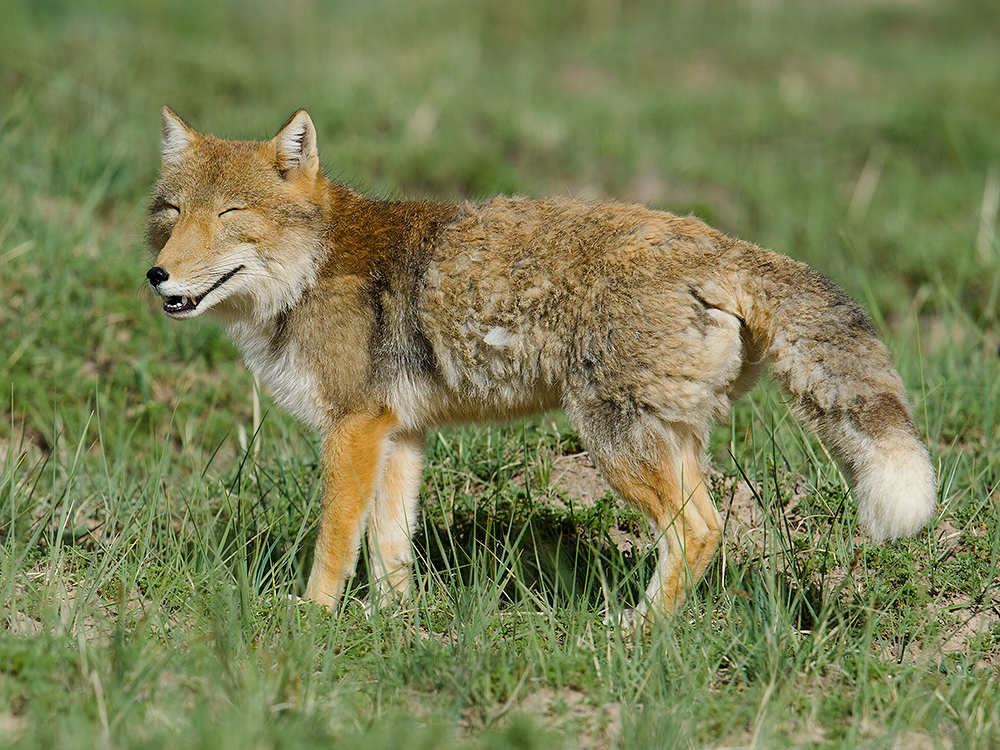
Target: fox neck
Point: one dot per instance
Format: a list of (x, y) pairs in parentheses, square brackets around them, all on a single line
[(257, 322)]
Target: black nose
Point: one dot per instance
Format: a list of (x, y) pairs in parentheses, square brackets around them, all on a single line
[(157, 275)]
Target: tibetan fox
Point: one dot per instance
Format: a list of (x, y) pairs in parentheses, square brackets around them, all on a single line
[(375, 320)]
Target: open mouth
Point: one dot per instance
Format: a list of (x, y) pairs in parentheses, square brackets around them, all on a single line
[(175, 304)]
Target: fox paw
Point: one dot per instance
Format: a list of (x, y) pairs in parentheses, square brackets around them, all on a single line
[(628, 620)]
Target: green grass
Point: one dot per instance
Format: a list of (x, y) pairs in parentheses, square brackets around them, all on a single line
[(147, 551)]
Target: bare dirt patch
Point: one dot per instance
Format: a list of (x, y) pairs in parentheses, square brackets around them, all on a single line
[(570, 710), (578, 477)]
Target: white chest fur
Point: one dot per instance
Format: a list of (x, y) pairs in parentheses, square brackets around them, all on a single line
[(282, 370)]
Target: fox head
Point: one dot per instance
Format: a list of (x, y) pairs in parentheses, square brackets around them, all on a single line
[(235, 225)]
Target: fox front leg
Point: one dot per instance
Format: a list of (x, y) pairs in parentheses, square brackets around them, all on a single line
[(393, 519), (354, 459)]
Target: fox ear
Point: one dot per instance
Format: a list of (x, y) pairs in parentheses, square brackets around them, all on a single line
[(296, 146), (177, 135)]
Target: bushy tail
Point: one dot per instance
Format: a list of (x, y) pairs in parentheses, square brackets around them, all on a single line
[(843, 383)]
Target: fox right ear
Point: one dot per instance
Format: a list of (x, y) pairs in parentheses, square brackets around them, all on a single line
[(296, 149), (177, 135)]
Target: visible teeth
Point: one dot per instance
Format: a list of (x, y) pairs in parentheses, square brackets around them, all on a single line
[(180, 303)]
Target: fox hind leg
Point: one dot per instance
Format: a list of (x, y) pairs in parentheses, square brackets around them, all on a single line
[(688, 536), (669, 487), (393, 519)]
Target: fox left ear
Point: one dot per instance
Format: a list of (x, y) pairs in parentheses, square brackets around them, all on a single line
[(296, 145), (177, 135)]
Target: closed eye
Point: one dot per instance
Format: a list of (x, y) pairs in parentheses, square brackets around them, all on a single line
[(230, 210)]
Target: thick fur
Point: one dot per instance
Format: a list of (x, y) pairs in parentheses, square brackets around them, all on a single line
[(374, 321)]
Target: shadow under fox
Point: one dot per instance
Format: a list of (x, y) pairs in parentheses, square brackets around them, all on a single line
[(373, 321)]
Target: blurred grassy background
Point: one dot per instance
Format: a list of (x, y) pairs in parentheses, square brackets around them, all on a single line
[(761, 117), (861, 136)]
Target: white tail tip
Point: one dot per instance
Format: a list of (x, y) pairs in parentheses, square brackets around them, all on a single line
[(895, 487)]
